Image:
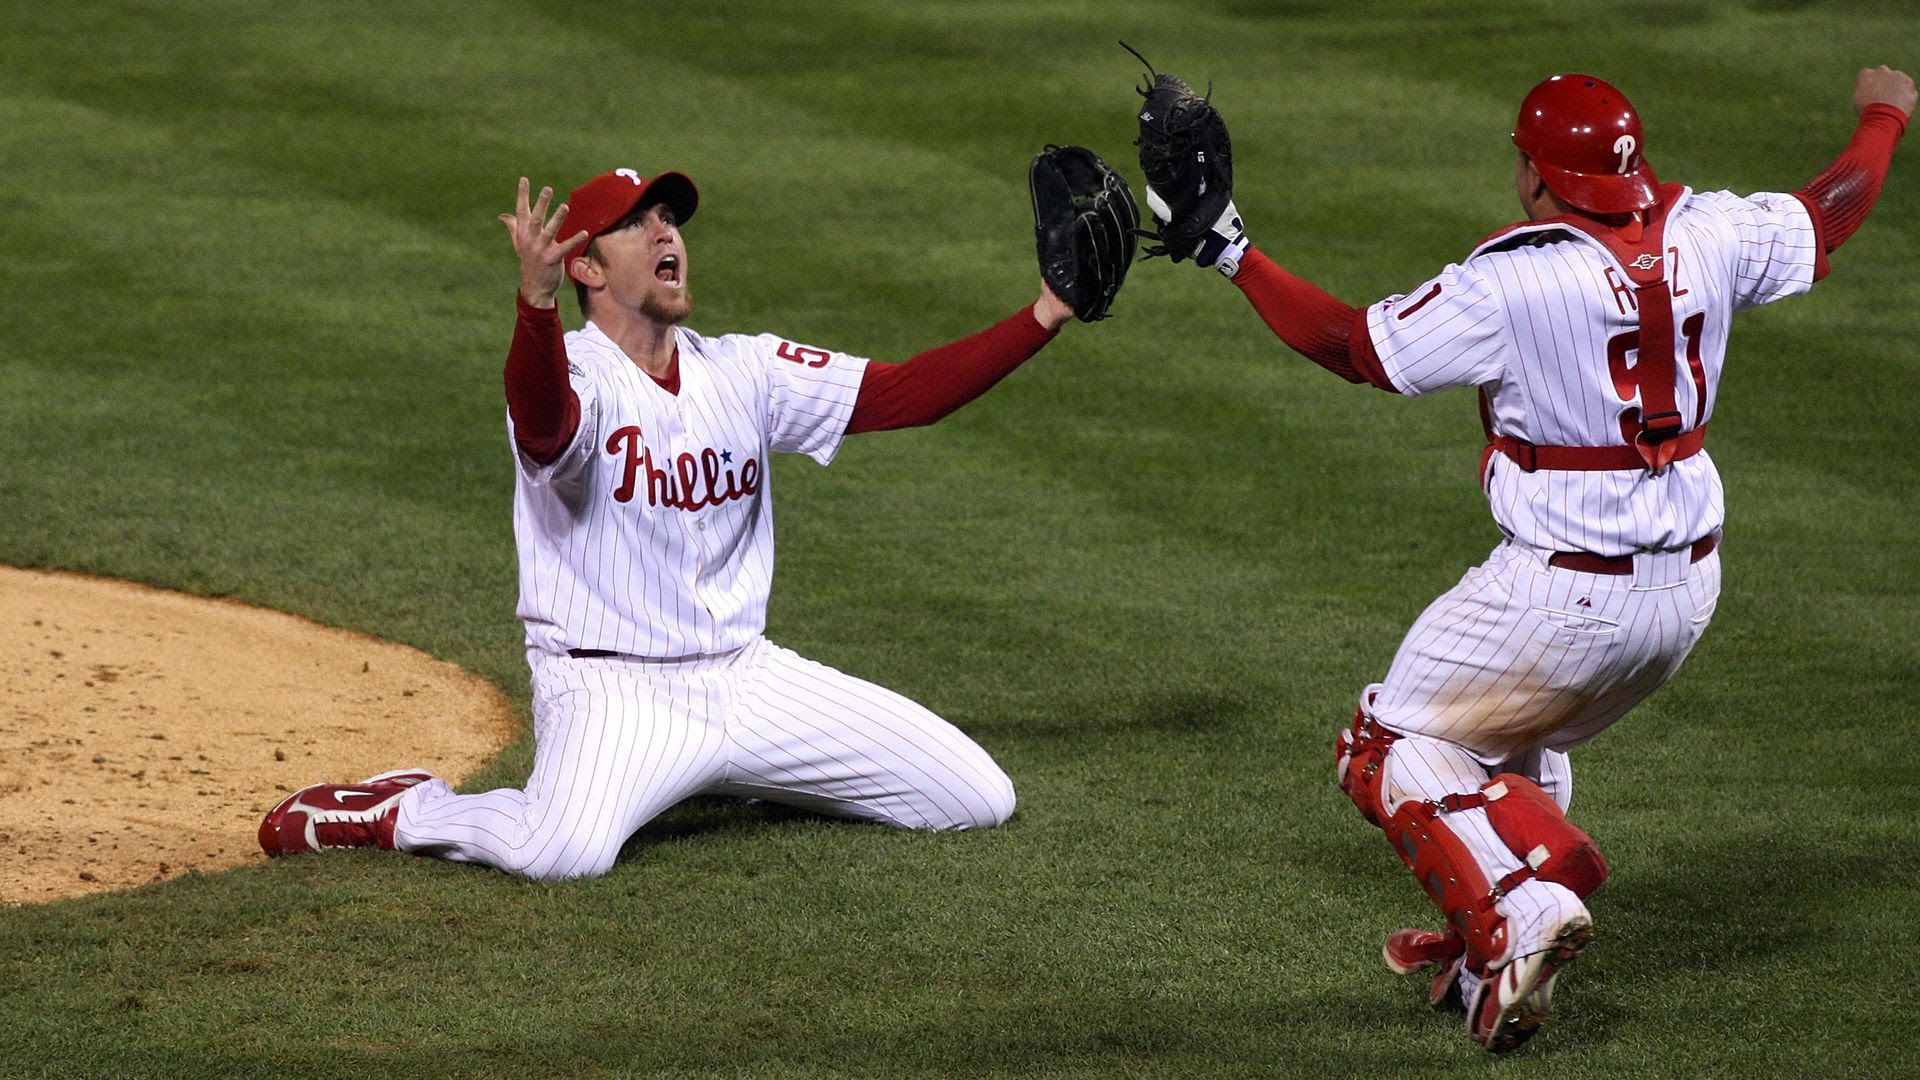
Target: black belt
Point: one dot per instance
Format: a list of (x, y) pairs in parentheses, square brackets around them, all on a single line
[(590, 654), (1588, 563)]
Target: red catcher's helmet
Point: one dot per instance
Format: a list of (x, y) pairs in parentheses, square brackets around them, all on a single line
[(1585, 138)]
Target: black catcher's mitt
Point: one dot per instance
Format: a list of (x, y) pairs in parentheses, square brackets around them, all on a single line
[(1187, 160), (1084, 222)]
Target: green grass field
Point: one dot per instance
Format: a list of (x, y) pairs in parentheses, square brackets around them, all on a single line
[(255, 304)]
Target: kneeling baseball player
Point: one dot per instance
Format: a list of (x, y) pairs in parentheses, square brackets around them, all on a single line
[(1595, 332), (643, 516)]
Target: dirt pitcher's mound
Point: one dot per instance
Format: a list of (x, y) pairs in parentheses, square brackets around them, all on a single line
[(143, 733)]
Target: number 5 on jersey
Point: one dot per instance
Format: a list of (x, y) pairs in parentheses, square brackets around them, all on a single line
[(801, 354)]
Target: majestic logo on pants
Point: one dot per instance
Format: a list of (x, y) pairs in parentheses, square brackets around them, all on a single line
[(689, 481)]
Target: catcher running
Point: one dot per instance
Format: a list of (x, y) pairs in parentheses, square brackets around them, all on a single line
[(1595, 332), (643, 516)]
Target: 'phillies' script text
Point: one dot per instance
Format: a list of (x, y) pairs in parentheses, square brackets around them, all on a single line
[(690, 482)]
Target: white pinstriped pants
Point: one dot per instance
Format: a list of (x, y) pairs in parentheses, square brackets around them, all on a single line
[(1522, 655), (617, 740), (1518, 662)]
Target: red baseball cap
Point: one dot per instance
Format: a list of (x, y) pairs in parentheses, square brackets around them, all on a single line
[(600, 203), (1585, 138)]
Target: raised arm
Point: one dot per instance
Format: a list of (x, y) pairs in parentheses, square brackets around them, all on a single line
[(934, 383), (1084, 225), (540, 399), (1186, 155), (1312, 322), (1839, 198)]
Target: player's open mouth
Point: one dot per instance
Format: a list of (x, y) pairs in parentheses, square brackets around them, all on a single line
[(668, 269)]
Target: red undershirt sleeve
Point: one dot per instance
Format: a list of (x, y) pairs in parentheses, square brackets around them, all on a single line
[(1311, 322), (933, 384), (1839, 198), (545, 410)]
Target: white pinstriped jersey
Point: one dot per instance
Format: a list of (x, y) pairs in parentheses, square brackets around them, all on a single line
[(652, 533), (1541, 317)]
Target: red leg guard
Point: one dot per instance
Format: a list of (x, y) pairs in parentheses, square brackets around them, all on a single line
[(1521, 813), (1531, 823), (1442, 864), (1447, 870)]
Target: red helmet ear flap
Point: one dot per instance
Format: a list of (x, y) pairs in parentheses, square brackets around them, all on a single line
[(1585, 138)]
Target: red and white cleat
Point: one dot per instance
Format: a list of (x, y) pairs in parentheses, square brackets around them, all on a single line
[(327, 816), (1511, 1002), (1412, 950)]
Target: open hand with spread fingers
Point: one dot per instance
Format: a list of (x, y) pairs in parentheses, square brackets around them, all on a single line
[(542, 258)]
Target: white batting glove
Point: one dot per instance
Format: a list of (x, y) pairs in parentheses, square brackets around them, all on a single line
[(1162, 213), (1225, 243), (1221, 247)]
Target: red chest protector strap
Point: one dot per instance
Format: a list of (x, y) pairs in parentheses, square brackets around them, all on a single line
[(1530, 456), (1639, 247)]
